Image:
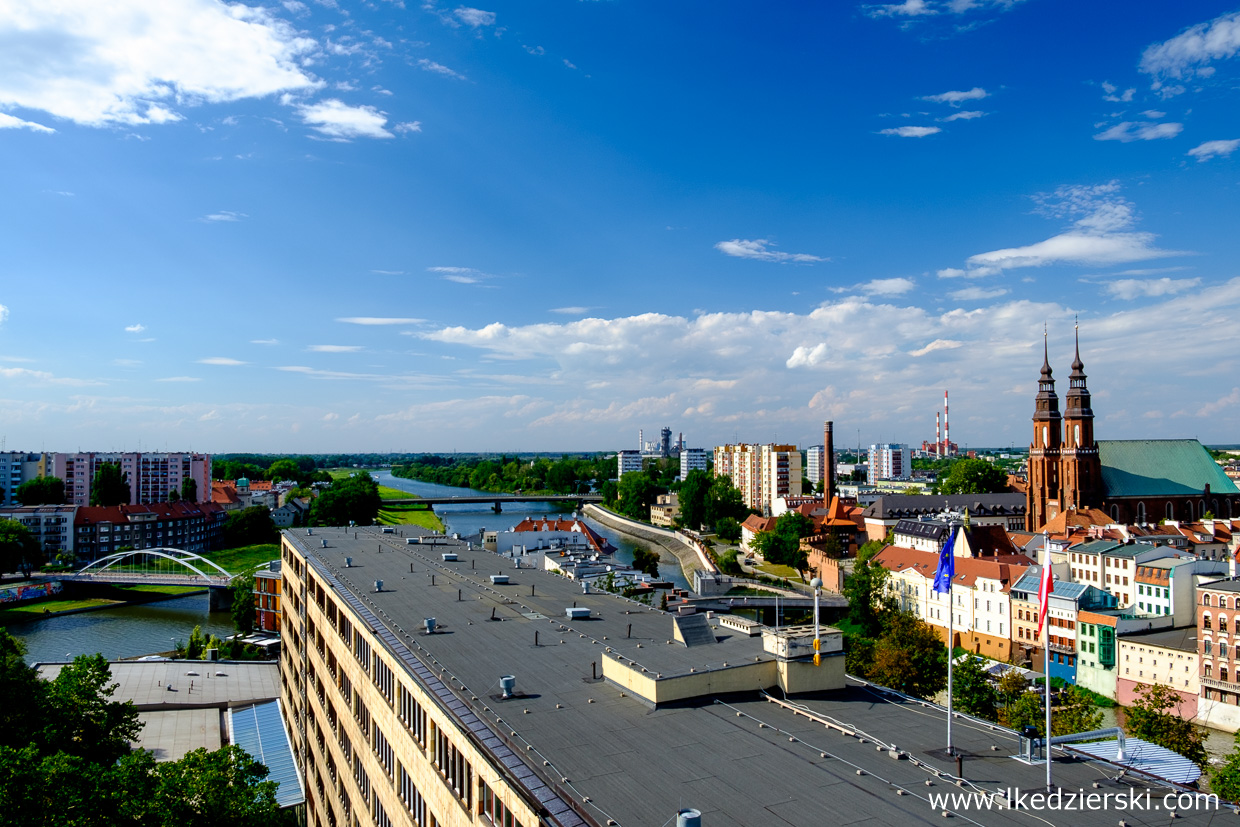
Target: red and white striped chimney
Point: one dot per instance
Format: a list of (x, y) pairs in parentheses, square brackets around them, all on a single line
[(938, 441), (947, 438)]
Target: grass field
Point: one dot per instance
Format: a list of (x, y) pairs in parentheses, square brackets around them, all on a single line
[(34, 611), (168, 590), (785, 572), (410, 515), (246, 558)]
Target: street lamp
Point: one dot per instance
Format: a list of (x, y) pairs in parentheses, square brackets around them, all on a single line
[(816, 584)]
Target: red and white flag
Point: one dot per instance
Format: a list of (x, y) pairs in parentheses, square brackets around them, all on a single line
[(1045, 589)]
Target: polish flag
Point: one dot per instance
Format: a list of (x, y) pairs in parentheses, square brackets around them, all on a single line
[(1044, 590)]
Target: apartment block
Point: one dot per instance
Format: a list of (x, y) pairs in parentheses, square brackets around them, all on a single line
[(17, 467), (890, 461), (102, 530), (51, 525), (762, 473), (692, 459), (151, 476), (627, 461)]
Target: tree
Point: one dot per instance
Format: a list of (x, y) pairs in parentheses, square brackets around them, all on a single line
[(693, 495), (21, 693), (725, 500), (1025, 710), (223, 788), (355, 498), (284, 469), (974, 476), (635, 494), (782, 545), (41, 491), (728, 529), (1076, 713), (972, 691), (110, 485), (646, 561), (249, 526), (866, 591), (81, 721), (19, 550), (1149, 718), (243, 604), (910, 657), (189, 490), (174, 496), (1225, 778)]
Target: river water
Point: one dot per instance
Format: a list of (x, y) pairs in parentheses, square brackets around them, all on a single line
[(132, 631)]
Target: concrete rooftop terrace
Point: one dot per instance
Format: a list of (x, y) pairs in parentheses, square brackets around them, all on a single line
[(742, 759)]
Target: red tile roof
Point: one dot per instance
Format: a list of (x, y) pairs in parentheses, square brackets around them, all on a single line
[(1007, 569)]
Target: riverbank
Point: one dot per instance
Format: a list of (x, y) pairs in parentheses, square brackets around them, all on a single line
[(42, 609), (690, 559), (423, 516)]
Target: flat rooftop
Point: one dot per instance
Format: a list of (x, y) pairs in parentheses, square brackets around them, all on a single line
[(742, 758), (183, 684)]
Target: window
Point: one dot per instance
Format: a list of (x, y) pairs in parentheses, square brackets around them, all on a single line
[(490, 806), (414, 803), (453, 767), (412, 715), (384, 750)]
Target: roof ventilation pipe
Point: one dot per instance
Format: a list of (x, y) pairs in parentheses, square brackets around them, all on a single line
[(348, 562), (378, 586), (506, 685), (430, 625), (688, 818)]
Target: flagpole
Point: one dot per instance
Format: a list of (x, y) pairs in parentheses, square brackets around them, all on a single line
[(1046, 651), (951, 634)]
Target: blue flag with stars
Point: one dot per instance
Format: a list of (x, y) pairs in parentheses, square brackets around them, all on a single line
[(947, 564)]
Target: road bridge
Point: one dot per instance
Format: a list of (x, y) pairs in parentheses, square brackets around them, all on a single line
[(496, 501), (158, 567)]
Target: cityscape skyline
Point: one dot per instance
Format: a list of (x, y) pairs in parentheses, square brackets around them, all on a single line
[(532, 227)]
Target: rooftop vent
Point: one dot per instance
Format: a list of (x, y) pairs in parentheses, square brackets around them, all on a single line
[(348, 561), (449, 556), (411, 540), (499, 580), (688, 818), (506, 685), (378, 586), (430, 625), (577, 613)]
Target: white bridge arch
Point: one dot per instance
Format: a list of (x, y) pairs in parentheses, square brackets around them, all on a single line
[(135, 566)]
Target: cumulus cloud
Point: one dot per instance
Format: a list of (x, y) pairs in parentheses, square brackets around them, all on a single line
[(956, 98), (807, 356), (1147, 288), (970, 294), (337, 121), (910, 131), (1189, 53), (909, 8), (220, 360), (135, 328), (264, 341), (759, 249), (962, 116), (886, 287), (1214, 149), (379, 320), (475, 17), (1129, 131), (133, 62), (1100, 234), (937, 344), (439, 69), (1113, 95), (11, 122)]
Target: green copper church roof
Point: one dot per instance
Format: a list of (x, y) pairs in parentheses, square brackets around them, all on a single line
[(1160, 468)]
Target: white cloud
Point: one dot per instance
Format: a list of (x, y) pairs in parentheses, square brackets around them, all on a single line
[(407, 126), (1110, 89), (962, 116), (179, 379), (569, 64), (535, 50), (570, 311), (135, 328), (1148, 288), (1100, 234), (1129, 131), (807, 357), (439, 69), (886, 287), (475, 17), (338, 121), (388, 272), (10, 122), (461, 275), (220, 360), (909, 8), (971, 294), (379, 320), (937, 344), (1188, 53), (127, 62), (334, 348), (1154, 114), (264, 341), (910, 131), (224, 215), (956, 98), (757, 249), (1213, 149)]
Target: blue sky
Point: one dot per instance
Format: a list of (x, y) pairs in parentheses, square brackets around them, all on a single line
[(331, 226)]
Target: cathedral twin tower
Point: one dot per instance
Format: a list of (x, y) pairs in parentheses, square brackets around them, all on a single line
[(1065, 471)]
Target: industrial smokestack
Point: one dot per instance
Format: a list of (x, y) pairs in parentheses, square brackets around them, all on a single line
[(938, 441), (947, 438), (828, 463)]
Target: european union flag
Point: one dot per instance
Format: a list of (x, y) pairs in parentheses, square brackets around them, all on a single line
[(947, 564)]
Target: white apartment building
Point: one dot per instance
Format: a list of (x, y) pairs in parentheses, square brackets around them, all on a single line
[(17, 467), (627, 461), (762, 473), (890, 461), (1112, 566), (151, 476), (692, 459), (814, 464)]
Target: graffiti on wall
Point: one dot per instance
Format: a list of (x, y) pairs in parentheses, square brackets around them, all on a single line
[(29, 591)]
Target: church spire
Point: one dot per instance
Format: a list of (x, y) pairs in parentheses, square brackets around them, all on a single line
[(1078, 391), (1048, 400)]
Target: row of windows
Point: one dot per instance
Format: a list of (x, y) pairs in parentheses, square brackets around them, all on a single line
[(1206, 600), (490, 806)]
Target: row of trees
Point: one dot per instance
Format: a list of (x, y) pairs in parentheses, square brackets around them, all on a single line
[(353, 498), (66, 759), (110, 486), (504, 474)]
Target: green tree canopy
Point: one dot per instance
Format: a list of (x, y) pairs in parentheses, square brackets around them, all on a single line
[(725, 500), (1150, 718), (110, 485), (41, 491), (635, 494), (972, 691), (243, 604), (189, 490), (866, 591), (910, 656), (1225, 778), (728, 529), (249, 526), (646, 561), (782, 545), (354, 498), (974, 476), (284, 469), (693, 494), (19, 550)]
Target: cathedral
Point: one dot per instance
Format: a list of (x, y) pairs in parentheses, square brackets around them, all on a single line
[(1135, 481)]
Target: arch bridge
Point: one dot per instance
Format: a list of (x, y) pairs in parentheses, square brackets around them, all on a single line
[(155, 566)]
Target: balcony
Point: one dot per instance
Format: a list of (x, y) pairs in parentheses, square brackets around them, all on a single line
[(1063, 650), (1214, 683)]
